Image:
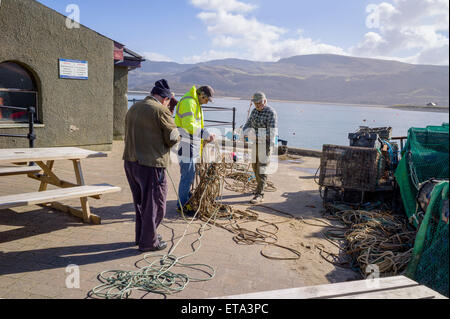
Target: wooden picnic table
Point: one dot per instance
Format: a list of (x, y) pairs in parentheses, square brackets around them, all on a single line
[(43, 172)]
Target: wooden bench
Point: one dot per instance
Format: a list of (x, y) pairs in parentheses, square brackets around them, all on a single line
[(398, 287), (50, 197), (44, 173), (18, 170)]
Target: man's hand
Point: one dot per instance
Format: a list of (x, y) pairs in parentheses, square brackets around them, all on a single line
[(212, 138)]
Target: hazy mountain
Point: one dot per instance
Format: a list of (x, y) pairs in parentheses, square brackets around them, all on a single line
[(318, 77)]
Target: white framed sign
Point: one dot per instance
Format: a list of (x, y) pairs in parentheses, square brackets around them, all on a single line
[(73, 69)]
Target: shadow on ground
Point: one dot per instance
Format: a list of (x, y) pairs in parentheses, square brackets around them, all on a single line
[(49, 258), (26, 225)]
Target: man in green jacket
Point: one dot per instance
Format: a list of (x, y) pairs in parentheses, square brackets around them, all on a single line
[(189, 119), (150, 132)]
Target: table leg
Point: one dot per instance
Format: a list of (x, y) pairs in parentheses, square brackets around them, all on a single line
[(50, 178), (47, 168), (84, 201)]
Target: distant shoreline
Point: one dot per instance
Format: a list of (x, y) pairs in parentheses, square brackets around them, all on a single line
[(435, 109)]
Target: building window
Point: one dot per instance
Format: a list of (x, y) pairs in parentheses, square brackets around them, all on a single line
[(17, 89)]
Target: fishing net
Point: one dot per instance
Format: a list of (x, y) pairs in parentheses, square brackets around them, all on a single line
[(425, 159), (429, 263)]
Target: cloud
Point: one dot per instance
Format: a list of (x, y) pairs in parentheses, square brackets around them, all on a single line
[(156, 57), (412, 31), (407, 25), (235, 34)]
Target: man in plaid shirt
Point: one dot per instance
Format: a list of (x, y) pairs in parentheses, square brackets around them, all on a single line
[(263, 123)]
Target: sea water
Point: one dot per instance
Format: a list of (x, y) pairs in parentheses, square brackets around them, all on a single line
[(310, 125)]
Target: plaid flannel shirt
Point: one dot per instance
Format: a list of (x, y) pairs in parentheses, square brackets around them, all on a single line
[(267, 119)]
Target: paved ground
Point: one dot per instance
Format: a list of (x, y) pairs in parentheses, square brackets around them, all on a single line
[(37, 244)]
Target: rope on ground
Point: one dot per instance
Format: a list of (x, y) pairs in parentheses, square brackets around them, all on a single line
[(206, 198), (158, 276), (367, 237), (373, 238), (244, 180)]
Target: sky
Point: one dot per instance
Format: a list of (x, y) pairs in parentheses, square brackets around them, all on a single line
[(192, 31)]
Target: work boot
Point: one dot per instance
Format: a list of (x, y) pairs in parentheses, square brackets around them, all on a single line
[(257, 199), (187, 211)]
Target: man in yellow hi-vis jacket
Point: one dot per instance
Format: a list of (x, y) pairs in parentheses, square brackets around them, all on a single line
[(190, 123)]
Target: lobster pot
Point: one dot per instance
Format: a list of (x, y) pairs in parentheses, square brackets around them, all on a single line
[(350, 167)]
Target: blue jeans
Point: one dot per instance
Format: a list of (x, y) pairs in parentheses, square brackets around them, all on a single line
[(187, 172)]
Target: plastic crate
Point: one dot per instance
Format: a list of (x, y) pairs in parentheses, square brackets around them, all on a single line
[(384, 133), (364, 139), (350, 167)]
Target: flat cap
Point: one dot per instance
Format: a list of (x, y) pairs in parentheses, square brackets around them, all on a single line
[(258, 97), (209, 91)]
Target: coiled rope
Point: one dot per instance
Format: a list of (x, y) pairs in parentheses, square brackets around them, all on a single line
[(158, 276), (244, 181), (371, 238), (205, 202)]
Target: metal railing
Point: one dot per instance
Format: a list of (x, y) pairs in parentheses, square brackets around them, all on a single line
[(401, 138), (212, 109), (31, 136), (220, 123), (136, 100)]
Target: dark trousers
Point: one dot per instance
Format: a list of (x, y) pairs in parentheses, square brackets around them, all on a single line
[(149, 188)]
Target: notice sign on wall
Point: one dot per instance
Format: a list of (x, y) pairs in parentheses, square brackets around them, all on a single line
[(73, 69)]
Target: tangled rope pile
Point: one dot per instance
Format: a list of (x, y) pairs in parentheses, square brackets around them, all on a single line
[(159, 275), (367, 237), (244, 181), (205, 202), (119, 284), (372, 238)]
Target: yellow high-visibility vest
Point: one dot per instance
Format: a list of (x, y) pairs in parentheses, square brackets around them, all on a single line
[(189, 114)]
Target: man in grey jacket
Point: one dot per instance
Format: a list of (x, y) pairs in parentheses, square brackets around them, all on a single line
[(150, 132)]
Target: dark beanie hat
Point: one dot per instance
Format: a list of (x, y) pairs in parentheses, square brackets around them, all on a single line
[(162, 89)]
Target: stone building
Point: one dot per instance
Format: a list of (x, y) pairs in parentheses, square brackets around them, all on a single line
[(76, 78)]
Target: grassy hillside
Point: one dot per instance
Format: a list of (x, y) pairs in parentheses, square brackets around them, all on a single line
[(321, 78)]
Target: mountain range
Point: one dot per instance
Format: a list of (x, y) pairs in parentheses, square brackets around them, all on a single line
[(315, 78)]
